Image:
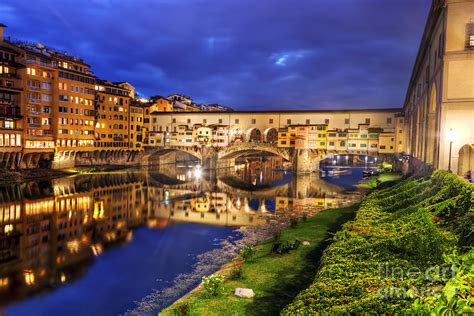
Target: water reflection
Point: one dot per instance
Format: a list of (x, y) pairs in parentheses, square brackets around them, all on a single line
[(51, 230)]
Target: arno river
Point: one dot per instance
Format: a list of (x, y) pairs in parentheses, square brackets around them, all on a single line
[(100, 243)]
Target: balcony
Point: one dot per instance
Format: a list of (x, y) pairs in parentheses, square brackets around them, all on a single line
[(34, 88), (9, 75), (12, 111), (9, 85), (40, 63), (34, 125), (31, 100), (35, 113)]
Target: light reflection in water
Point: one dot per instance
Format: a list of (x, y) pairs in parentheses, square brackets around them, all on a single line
[(50, 230)]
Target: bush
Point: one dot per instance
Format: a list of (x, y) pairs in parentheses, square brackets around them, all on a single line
[(182, 309), (213, 284), (404, 228), (304, 218), (293, 222), (237, 272), (456, 297), (247, 253), (277, 236)]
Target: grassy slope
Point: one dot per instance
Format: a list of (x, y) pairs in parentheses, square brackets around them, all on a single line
[(382, 178), (407, 227), (276, 280)]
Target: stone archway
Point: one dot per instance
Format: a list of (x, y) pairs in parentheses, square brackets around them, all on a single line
[(270, 135), (236, 135), (254, 135), (466, 159)]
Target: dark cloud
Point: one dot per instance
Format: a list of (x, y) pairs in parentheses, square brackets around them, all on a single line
[(266, 54)]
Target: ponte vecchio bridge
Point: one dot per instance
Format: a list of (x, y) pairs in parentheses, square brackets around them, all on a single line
[(302, 138)]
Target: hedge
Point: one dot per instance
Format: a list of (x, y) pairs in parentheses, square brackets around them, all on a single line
[(399, 234)]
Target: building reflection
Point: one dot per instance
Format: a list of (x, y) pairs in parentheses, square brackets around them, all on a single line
[(51, 230)]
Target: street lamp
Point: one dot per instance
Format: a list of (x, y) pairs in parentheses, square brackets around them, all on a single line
[(450, 137)]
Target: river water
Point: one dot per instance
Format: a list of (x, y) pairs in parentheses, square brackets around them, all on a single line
[(96, 244)]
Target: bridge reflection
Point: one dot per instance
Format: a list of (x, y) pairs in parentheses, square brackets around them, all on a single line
[(50, 230)]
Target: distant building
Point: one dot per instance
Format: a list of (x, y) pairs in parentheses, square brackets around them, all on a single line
[(214, 108), (160, 104), (127, 86)]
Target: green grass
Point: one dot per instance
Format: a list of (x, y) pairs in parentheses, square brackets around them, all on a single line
[(385, 177), (276, 280), (399, 234)]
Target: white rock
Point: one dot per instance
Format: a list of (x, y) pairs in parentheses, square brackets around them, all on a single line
[(306, 243), (241, 292)]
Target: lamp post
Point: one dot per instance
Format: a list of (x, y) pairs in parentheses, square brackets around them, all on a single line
[(450, 137)]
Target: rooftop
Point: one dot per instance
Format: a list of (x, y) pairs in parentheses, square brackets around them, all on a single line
[(375, 110)]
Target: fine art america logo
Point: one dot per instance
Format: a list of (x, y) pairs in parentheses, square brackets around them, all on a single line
[(409, 278)]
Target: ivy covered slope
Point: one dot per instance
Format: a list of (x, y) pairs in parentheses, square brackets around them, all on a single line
[(398, 234)]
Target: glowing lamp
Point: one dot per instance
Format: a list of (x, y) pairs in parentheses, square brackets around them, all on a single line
[(450, 135)]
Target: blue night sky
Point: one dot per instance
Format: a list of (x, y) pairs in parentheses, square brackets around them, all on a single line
[(247, 54)]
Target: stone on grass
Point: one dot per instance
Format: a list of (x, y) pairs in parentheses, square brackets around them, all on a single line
[(241, 292), (306, 243)]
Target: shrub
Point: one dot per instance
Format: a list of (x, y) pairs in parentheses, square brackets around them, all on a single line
[(247, 253), (277, 236), (237, 272), (456, 297), (304, 218), (293, 222), (213, 284), (406, 227), (182, 309)]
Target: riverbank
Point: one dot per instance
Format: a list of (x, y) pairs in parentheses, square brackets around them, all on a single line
[(385, 178), (275, 279), (11, 177), (388, 256)]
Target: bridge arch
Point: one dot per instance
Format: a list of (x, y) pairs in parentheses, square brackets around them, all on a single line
[(161, 151), (246, 148), (254, 135), (270, 135), (236, 135)]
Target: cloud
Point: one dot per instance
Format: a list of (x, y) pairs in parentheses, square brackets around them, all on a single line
[(247, 54)]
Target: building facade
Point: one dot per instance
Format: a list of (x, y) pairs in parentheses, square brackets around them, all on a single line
[(359, 131), (11, 102), (439, 105)]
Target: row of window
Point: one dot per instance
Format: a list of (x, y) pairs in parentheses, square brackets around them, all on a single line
[(74, 142), (332, 144), (389, 120), (64, 109), (67, 75), (116, 117), (78, 122), (77, 100), (10, 140), (75, 132), (77, 89), (38, 72), (39, 144)]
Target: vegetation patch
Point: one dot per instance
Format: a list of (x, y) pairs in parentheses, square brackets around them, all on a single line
[(392, 257), (276, 279)]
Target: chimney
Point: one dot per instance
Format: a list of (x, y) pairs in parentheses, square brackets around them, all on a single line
[(2, 28)]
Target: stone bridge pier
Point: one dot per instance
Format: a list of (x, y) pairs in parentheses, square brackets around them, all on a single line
[(305, 160)]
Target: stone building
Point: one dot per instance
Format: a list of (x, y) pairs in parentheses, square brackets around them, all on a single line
[(439, 104)]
